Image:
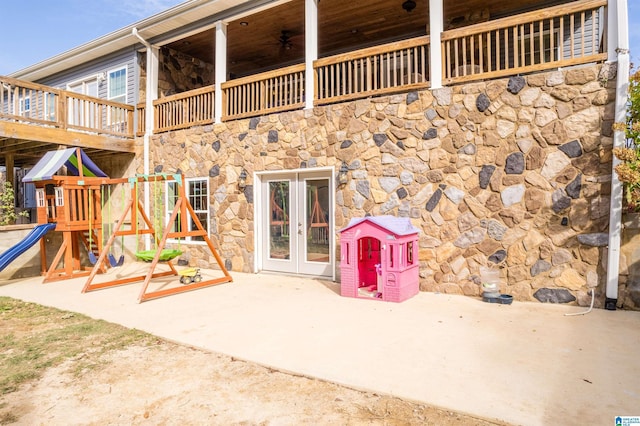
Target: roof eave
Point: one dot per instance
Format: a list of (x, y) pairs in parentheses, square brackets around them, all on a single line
[(122, 38)]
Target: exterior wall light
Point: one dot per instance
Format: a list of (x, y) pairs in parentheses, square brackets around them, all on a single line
[(242, 179), (343, 173)]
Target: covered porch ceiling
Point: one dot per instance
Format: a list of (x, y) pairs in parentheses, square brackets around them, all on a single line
[(274, 37)]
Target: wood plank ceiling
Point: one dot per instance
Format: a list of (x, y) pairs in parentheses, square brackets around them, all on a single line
[(275, 37)]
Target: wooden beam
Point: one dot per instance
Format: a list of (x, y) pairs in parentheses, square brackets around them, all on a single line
[(63, 137), (8, 162)]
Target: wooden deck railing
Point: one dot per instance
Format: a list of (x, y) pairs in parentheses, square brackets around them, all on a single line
[(42, 105), (141, 119), (549, 38), (265, 93), (373, 71), (183, 110), (98, 115)]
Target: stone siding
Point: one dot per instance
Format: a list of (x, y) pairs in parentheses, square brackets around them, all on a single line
[(508, 172), (177, 73)]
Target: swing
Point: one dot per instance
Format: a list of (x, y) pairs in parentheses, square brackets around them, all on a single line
[(112, 259), (148, 255), (92, 257)]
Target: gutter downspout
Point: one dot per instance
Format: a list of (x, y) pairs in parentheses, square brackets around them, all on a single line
[(151, 94), (619, 139)]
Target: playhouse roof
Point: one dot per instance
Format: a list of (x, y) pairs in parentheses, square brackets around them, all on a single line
[(52, 161), (397, 225)]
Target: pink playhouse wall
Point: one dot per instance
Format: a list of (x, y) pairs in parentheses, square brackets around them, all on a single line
[(379, 258)]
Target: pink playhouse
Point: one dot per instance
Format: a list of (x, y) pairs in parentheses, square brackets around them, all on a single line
[(379, 258)]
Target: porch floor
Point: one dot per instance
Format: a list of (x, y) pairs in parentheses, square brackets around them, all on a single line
[(524, 363)]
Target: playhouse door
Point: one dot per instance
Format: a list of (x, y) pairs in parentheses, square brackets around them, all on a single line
[(295, 229)]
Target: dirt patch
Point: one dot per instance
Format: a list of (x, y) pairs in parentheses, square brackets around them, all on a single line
[(151, 381)]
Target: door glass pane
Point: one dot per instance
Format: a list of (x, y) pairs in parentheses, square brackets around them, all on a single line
[(317, 220), (279, 220)]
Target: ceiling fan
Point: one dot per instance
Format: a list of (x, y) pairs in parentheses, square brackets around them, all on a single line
[(285, 40)]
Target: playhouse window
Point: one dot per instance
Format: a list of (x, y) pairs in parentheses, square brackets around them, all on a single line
[(59, 196), (410, 253), (391, 255), (346, 253), (40, 197)]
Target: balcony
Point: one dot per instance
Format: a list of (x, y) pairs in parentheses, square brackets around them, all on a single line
[(558, 36), (36, 118), (564, 35)]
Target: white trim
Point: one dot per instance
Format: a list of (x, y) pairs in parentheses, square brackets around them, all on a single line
[(84, 80)]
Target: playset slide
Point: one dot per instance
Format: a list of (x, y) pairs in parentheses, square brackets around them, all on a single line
[(33, 237)]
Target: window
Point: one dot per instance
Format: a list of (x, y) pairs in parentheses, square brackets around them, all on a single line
[(59, 196), (410, 253), (25, 106), (78, 112), (118, 85), (197, 191), (40, 197)]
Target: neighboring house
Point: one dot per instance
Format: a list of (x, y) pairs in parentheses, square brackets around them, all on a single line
[(488, 123)]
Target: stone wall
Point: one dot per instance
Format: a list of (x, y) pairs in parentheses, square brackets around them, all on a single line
[(177, 73), (513, 173)]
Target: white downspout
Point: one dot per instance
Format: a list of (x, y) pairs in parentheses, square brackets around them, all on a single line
[(151, 91), (620, 20)]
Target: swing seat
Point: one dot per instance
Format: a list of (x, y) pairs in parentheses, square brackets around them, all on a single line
[(165, 255), (115, 263)]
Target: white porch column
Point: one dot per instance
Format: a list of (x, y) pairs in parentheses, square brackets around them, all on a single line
[(220, 68), (310, 49), (152, 94), (436, 26)]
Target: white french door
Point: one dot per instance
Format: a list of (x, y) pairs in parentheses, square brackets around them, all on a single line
[(297, 213)]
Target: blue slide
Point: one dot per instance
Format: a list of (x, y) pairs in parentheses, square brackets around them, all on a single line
[(34, 236)]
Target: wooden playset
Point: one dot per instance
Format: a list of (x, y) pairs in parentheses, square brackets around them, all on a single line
[(379, 258), (176, 228), (74, 204)]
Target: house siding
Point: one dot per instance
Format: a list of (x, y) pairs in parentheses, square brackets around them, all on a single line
[(490, 174), (125, 58)]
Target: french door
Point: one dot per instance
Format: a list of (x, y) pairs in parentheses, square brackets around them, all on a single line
[(297, 213)]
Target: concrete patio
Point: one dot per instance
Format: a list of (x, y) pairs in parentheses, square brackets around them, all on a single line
[(524, 363)]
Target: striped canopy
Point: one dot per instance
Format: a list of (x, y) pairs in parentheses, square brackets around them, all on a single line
[(52, 161)]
